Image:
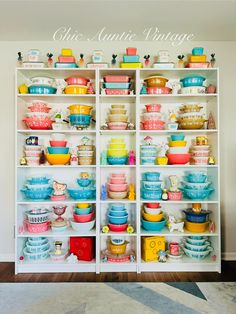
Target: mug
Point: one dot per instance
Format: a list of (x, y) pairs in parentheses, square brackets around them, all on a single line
[(32, 140), (174, 248)]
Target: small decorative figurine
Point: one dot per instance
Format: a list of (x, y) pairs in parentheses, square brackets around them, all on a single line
[(104, 126), (147, 61), (19, 59), (211, 122), (181, 62), (132, 159), (131, 126), (143, 90), (113, 61), (60, 84), (32, 140), (23, 161), (72, 259), (59, 191), (131, 195), (105, 229), (173, 224), (211, 89), (148, 140), (23, 89), (212, 226), (162, 256), (104, 192), (50, 60), (104, 157), (58, 245), (104, 259), (103, 91), (164, 196), (214, 258), (132, 258), (58, 117), (172, 120), (174, 182), (97, 56), (176, 86), (81, 61), (211, 161), (42, 158), (162, 149), (21, 229), (213, 60), (74, 158), (90, 90)]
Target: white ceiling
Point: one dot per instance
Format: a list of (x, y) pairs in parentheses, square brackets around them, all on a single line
[(38, 20)]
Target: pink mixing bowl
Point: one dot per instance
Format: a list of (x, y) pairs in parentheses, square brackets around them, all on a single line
[(117, 180), (118, 228), (117, 125), (117, 175), (153, 107), (58, 143), (37, 228), (153, 125), (83, 218), (117, 187), (178, 159)]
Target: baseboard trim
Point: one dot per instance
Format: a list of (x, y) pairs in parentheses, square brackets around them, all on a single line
[(229, 256), (7, 257)]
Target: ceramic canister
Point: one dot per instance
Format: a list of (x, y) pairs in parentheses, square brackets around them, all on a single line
[(174, 248)]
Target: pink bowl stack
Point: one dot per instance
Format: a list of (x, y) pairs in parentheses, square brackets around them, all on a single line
[(38, 116), (117, 186), (152, 118)]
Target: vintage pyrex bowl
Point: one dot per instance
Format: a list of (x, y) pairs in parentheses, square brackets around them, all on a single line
[(117, 249), (196, 241), (42, 89), (83, 211), (117, 228), (84, 217), (151, 194), (58, 150), (36, 256), (197, 227), (117, 187), (151, 185), (117, 160), (196, 177), (38, 194), (80, 119), (84, 182), (77, 80), (117, 213), (80, 109), (152, 211), (118, 206), (156, 81), (197, 194), (148, 160), (197, 255), (58, 159), (196, 186), (152, 176), (81, 227), (191, 216), (195, 80), (118, 220), (117, 152), (197, 248), (153, 217), (76, 89), (153, 226), (178, 159), (82, 194)]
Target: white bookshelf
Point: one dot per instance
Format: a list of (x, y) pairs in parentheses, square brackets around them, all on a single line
[(133, 138)]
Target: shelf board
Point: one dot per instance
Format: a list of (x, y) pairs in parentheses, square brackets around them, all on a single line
[(184, 264), (65, 234), (123, 233), (184, 201), (48, 266), (165, 132), (48, 132), (57, 166), (123, 132), (59, 98), (117, 166), (179, 166), (117, 201), (48, 202), (169, 98), (165, 232)]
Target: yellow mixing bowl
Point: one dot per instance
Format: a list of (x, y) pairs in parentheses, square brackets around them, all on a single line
[(117, 249), (177, 143), (116, 146), (58, 159), (156, 81), (83, 205), (196, 226), (117, 140), (153, 217), (76, 89), (80, 109), (117, 152)]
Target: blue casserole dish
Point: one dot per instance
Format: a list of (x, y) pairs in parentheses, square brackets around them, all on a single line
[(196, 80), (42, 89)]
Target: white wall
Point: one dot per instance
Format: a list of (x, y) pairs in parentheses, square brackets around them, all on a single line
[(225, 55)]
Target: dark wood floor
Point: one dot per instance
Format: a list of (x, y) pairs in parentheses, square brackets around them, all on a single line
[(228, 274)]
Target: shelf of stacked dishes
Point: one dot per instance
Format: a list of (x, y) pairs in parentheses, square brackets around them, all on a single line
[(56, 149), (56, 254), (178, 83), (183, 150), (118, 253)]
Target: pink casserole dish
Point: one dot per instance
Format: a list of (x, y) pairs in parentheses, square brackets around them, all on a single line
[(77, 81), (66, 59), (158, 90), (153, 125), (117, 79), (117, 187), (117, 125), (117, 91), (37, 228), (117, 180), (153, 107)]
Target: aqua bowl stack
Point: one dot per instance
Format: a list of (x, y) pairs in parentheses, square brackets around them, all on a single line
[(151, 186)]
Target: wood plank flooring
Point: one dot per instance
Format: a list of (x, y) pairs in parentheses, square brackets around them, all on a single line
[(228, 274)]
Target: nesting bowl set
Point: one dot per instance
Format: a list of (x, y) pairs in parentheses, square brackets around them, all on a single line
[(85, 190), (41, 85), (196, 186), (117, 153), (83, 217), (156, 84), (38, 117), (37, 220), (80, 115), (200, 151), (197, 247), (37, 188), (191, 117), (76, 85), (178, 151), (117, 217), (85, 154), (148, 154), (152, 118), (32, 153), (193, 84), (117, 186), (58, 153), (151, 186), (117, 117), (36, 249)]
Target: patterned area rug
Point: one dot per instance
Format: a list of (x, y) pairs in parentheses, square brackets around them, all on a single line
[(117, 298)]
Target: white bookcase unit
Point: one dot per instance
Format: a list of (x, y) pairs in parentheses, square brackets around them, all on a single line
[(133, 138)]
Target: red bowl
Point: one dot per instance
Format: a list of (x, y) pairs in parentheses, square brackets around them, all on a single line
[(153, 107), (83, 218), (178, 159), (77, 81), (153, 125), (152, 205), (58, 143), (118, 228)]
